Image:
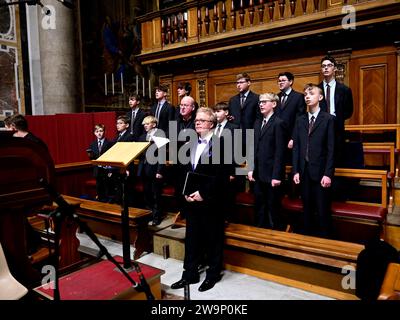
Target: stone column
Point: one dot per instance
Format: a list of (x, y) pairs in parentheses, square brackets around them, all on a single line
[(59, 67)]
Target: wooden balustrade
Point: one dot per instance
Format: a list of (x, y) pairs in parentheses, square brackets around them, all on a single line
[(195, 22)]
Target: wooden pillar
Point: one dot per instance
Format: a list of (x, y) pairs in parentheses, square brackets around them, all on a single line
[(201, 87)]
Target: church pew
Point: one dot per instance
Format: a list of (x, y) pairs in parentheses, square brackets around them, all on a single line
[(390, 289), (105, 219), (354, 220), (385, 148), (370, 128), (305, 262)]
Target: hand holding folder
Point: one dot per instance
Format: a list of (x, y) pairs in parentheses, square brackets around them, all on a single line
[(196, 181)]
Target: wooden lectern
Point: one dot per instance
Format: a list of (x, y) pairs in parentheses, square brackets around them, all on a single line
[(22, 164), (121, 155)]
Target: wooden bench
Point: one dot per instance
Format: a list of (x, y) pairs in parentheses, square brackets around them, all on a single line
[(105, 219), (354, 221), (390, 289), (305, 262), (376, 128), (382, 148)]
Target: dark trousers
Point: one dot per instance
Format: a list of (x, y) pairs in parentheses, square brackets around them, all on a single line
[(316, 207), (152, 188), (267, 206), (204, 235), (104, 185)]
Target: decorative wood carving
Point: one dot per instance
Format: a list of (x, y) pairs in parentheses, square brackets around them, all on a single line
[(215, 18), (304, 6), (182, 27), (223, 16), (233, 15), (207, 22), (292, 7), (281, 5), (202, 90), (175, 28), (162, 32), (199, 22), (251, 10), (169, 33), (261, 12), (316, 5), (271, 7), (241, 13)]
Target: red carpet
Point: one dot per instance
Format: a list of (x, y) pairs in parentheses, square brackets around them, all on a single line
[(101, 281)]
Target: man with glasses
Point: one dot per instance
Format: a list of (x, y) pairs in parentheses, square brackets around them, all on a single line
[(290, 106), (338, 101), (203, 207)]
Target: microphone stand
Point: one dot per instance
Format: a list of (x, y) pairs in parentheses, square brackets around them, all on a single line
[(65, 210)]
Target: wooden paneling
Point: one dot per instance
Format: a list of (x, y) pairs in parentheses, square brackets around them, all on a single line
[(373, 81)]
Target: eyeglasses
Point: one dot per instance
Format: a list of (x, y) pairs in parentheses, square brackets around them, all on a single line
[(264, 101), (185, 106), (241, 81), (281, 80), (329, 65), (202, 120)]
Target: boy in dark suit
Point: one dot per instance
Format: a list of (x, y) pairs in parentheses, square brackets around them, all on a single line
[(163, 111), (269, 164), (338, 101), (95, 150), (313, 162), (136, 116), (152, 174)]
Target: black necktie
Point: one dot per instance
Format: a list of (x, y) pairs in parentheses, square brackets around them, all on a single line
[(133, 119), (310, 126), (219, 129), (242, 99), (157, 115), (328, 98), (100, 145), (283, 100), (263, 123)]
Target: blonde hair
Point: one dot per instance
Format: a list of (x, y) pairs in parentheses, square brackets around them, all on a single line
[(149, 119), (269, 96)]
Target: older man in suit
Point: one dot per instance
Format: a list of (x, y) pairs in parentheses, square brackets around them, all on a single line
[(269, 168), (204, 217), (338, 101), (313, 162)]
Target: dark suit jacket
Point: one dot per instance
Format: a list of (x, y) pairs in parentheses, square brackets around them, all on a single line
[(294, 107), (166, 115), (343, 105), (270, 146), (245, 117), (126, 137), (321, 146), (145, 168), (137, 129), (94, 154)]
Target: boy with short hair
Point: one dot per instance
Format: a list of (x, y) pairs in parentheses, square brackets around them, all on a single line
[(99, 146), (136, 116), (313, 162)]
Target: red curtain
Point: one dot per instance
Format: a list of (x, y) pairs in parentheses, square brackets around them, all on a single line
[(69, 135)]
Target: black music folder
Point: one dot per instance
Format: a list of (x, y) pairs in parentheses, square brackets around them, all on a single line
[(193, 182)]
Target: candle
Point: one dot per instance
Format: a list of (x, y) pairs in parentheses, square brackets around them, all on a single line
[(143, 87), (112, 82), (105, 83), (137, 84), (149, 89), (122, 83)]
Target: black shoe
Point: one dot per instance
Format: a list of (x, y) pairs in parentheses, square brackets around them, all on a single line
[(207, 285), (183, 282)]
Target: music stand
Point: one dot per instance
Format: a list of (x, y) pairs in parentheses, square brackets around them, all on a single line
[(64, 211), (120, 155)]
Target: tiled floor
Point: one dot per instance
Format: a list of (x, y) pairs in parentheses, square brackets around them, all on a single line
[(229, 288)]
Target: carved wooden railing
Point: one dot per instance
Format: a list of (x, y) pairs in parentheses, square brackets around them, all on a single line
[(219, 22)]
